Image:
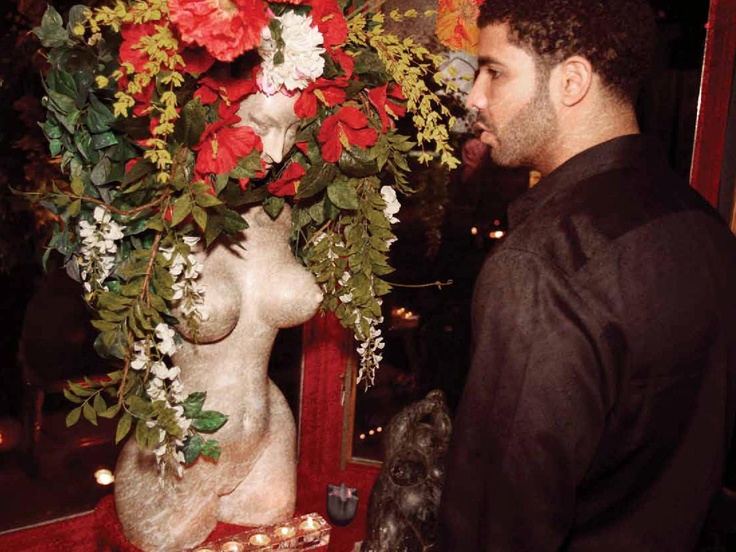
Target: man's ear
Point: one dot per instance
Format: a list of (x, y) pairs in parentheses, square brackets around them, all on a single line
[(576, 78)]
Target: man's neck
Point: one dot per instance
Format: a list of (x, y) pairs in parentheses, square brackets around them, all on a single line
[(583, 129)]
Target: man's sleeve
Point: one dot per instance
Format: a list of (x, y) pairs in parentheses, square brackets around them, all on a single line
[(532, 411)]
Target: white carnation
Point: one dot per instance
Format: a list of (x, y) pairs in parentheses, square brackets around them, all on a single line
[(302, 59)]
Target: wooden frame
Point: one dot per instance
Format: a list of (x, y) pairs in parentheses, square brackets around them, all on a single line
[(715, 95)]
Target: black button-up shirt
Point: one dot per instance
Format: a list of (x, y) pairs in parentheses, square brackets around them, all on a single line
[(599, 404)]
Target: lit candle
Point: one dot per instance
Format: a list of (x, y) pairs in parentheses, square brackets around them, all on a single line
[(204, 550), (232, 546), (260, 539), (286, 531), (308, 524)]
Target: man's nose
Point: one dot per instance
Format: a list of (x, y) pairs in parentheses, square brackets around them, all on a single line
[(476, 100)]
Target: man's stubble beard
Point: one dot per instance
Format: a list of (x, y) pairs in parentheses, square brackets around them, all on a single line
[(526, 137)]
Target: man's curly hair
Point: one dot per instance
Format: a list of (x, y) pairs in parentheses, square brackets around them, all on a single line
[(618, 37)]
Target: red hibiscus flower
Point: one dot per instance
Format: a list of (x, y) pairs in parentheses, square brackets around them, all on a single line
[(221, 85), (130, 52), (347, 127), (330, 92), (379, 98), (330, 22), (286, 185), (223, 145), (197, 61), (226, 28)]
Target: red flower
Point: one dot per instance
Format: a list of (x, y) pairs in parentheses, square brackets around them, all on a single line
[(331, 22), (226, 28), (129, 51), (223, 145), (197, 61), (330, 93), (379, 98), (456, 24), (215, 86), (287, 184), (347, 127)]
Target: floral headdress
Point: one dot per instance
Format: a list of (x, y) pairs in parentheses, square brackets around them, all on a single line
[(142, 101)]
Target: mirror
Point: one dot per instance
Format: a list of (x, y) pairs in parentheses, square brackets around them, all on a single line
[(453, 221)]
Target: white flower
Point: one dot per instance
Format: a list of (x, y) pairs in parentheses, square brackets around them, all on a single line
[(140, 359), (392, 204), (98, 248), (302, 59), (165, 335)]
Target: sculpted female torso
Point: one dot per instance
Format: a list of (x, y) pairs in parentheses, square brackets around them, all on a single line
[(254, 286)]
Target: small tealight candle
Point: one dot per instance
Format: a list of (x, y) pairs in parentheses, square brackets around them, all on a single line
[(232, 546), (308, 524), (285, 531), (259, 539)]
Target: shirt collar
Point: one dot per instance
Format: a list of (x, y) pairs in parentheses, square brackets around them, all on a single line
[(624, 151)]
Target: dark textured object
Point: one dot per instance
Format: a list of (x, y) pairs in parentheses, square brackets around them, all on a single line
[(402, 511), (342, 502)]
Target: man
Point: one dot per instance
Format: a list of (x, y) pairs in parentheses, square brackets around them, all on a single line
[(599, 404)]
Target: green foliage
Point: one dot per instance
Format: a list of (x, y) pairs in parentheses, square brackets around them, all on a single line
[(136, 198)]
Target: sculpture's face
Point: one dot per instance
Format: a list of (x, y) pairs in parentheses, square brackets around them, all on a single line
[(274, 120)]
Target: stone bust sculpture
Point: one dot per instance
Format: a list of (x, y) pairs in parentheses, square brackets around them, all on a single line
[(254, 286)]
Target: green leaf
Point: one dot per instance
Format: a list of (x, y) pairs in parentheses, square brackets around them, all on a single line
[(182, 209), (193, 404), (104, 140), (273, 206), (316, 179), (61, 104), (77, 16), (192, 448), (211, 449), (146, 437), (74, 208), (200, 217), (99, 404), (343, 194), (191, 124), (71, 397), (89, 413), (79, 390), (112, 343), (110, 412), (123, 427), (206, 200), (99, 117), (140, 169), (101, 173), (83, 141), (358, 162), (51, 33), (77, 186), (73, 416), (209, 421), (139, 407)]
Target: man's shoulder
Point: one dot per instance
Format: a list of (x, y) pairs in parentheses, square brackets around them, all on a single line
[(598, 212)]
